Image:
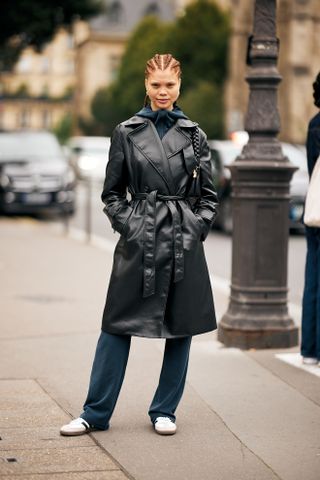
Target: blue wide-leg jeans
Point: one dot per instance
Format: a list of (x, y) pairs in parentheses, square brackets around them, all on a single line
[(108, 372), (310, 330)]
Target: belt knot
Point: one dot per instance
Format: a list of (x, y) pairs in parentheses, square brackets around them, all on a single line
[(149, 238)]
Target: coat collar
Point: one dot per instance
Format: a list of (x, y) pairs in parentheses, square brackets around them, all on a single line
[(136, 120)]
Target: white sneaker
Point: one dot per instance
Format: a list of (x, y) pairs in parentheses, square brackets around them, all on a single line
[(78, 426), (310, 361), (165, 426)]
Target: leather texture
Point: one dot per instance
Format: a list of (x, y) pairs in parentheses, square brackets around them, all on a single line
[(159, 285)]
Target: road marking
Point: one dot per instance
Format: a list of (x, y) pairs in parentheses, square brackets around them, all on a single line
[(295, 359)]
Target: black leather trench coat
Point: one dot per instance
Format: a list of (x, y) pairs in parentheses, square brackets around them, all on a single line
[(159, 285)]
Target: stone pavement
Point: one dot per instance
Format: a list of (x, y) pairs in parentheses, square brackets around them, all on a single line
[(244, 415)]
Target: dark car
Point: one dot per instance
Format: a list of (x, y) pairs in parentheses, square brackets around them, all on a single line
[(34, 174), (224, 152)]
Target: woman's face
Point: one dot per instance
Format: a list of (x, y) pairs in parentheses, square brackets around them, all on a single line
[(163, 88)]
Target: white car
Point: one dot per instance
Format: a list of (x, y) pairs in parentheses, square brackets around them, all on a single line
[(89, 156), (224, 152)]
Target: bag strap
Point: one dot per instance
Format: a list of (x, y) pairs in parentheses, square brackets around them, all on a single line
[(195, 137)]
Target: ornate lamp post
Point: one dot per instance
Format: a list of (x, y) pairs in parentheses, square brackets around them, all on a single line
[(257, 315)]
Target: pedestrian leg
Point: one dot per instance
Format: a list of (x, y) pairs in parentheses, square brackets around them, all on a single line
[(309, 302), (172, 378), (106, 379), (318, 301)]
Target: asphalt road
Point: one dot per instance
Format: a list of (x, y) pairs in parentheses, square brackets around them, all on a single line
[(218, 246)]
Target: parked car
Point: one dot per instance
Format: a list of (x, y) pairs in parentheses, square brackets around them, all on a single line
[(34, 174), (88, 156), (224, 152)]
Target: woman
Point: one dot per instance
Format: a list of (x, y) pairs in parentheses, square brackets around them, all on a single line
[(310, 343), (159, 285)]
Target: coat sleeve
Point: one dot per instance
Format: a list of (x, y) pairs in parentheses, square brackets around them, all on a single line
[(206, 206), (114, 194)]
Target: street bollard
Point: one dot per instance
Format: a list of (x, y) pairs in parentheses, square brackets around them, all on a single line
[(65, 220), (88, 219)]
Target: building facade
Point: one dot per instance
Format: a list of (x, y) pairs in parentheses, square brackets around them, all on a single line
[(44, 87), (63, 78), (299, 33), (39, 90)]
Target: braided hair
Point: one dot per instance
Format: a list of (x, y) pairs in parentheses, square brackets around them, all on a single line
[(316, 91), (162, 62)]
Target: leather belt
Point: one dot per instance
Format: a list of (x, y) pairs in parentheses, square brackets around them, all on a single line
[(149, 238)]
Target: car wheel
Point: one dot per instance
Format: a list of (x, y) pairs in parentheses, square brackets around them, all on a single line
[(225, 215), (69, 211)]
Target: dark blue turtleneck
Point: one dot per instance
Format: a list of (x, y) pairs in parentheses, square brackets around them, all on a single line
[(162, 119)]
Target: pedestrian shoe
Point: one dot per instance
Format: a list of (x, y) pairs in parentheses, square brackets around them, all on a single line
[(310, 361), (165, 426), (78, 426)]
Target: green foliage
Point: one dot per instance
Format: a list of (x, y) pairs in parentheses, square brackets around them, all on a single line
[(199, 41), (21, 92), (204, 104), (105, 110), (34, 22), (63, 130)]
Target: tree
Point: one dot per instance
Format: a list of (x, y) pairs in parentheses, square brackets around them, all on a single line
[(105, 110), (33, 23), (63, 129), (199, 40), (204, 104)]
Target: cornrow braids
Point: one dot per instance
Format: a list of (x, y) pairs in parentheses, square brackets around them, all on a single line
[(316, 91), (162, 62)]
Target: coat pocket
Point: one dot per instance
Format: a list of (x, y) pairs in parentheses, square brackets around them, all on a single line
[(120, 225), (133, 228)]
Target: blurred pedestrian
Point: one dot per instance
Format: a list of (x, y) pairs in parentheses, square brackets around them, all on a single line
[(310, 343), (159, 285)]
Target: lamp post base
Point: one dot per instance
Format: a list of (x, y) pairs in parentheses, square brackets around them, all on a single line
[(281, 337)]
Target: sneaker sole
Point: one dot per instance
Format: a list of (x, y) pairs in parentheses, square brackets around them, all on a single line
[(75, 434), (164, 432)]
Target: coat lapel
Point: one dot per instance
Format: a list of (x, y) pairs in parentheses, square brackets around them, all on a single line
[(147, 140), (174, 141), (177, 139)]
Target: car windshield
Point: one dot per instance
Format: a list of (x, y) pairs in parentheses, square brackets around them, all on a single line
[(229, 152), (20, 146)]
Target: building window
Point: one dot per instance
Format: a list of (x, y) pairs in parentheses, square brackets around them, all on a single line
[(45, 91), (24, 65), (114, 63), (45, 65), (69, 41), (46, 119), (24, 118), (69, 66), (115, 11), (152, 9)]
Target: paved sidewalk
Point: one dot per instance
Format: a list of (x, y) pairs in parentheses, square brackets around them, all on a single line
[(244, 415)]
